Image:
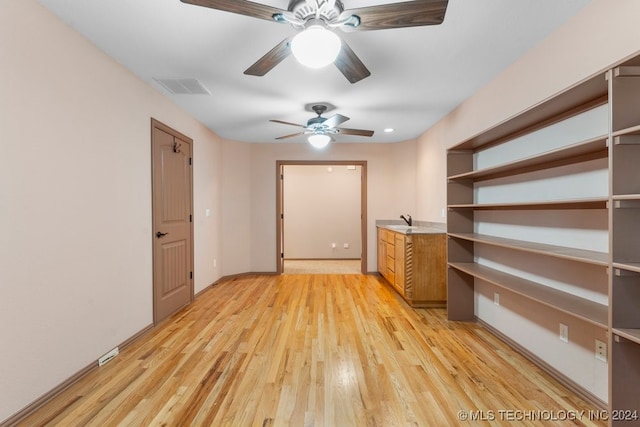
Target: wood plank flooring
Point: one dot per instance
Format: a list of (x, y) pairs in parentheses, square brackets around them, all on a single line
[(312, 350), (322, 266)]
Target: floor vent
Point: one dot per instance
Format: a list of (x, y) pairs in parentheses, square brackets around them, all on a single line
[(107, 357), (183, 86)]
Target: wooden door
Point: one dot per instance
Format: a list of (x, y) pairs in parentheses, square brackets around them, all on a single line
[(172, 221)]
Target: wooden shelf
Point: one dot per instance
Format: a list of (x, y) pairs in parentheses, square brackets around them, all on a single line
[(629, 266), (579, 255), (632, 130), (593, 203), (627, 71), (628, 136), (594, 148), (582, 96), (626, 197), (630, 334), (626, 201), (589, 311)]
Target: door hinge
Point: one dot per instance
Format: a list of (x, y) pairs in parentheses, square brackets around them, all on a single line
[(281, 216), (190, 218), (190, 161), (191, 275), (281, 176), (281, 254)]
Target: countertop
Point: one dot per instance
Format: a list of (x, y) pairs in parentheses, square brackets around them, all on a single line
[(414, 229)]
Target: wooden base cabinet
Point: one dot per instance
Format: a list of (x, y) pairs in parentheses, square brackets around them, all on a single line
[(415, 265)]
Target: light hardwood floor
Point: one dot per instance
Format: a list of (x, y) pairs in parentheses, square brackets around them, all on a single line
[(311, 350), (321, 266)]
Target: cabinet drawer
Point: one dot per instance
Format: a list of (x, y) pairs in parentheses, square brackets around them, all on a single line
[(391, 250)]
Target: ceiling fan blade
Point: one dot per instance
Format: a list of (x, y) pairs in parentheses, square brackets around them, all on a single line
[(247, 8), (290, 136), (335, 120), (360, 132), (413, 13), (350, 65), (272, 58), (288, 123)]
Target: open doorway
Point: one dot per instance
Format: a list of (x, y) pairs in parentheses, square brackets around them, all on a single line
[(321, 211)]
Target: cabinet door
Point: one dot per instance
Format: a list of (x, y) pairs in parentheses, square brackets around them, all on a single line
[(391, 267), (382, 253), (430, 282)]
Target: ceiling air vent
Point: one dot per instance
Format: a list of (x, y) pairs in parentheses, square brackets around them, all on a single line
[(183, 86)]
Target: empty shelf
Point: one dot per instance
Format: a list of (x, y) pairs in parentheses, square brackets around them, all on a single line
[(579, 255), (573, 305)]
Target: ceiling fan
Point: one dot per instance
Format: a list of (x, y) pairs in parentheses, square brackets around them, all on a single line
[(307, 15), (320, 128)]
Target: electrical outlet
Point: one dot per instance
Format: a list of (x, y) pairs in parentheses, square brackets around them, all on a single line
[(215, 263), (496, 298), (346, 246), (564, 333), (601, 351)]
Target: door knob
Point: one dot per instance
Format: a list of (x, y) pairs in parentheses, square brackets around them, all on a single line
[(159, 234)]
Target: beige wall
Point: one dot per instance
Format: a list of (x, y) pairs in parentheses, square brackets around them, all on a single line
[(236, 208), (75, 206)]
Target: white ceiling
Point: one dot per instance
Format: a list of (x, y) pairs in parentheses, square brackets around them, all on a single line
[(418, 74)]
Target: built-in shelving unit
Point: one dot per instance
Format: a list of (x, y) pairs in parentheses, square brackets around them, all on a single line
[(624, 92), (477, 257)]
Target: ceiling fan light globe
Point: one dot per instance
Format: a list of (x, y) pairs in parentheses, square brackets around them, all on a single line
[(316, 47), (319, 140)]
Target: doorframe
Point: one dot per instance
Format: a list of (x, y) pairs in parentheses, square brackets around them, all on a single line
[(156, 124), (280, 198)]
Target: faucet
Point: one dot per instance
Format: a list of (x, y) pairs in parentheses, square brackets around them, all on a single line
[(408, 221)]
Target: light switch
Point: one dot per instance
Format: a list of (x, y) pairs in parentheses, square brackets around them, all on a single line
[(207, 212)]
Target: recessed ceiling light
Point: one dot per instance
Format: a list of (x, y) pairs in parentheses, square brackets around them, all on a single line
[(389, 130)]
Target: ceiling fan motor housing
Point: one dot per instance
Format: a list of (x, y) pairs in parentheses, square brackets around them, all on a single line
[(305, 10), (315, 122)]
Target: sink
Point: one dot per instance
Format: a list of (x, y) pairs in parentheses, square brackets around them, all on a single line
[(414, 229), (401, 228)]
